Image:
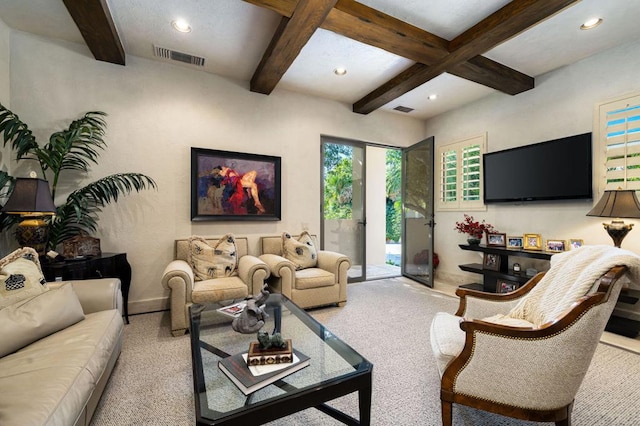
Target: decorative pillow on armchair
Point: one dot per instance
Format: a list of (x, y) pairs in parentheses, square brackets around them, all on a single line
[(20, 277), (213, 262), (302, 252)]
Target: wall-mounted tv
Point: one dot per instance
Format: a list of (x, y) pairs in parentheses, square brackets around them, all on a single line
[(559, 169)]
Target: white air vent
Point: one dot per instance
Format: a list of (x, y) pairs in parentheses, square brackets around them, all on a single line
[(403, 109), (163, 52)]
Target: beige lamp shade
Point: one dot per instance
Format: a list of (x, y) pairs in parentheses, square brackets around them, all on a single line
[(620, 203)]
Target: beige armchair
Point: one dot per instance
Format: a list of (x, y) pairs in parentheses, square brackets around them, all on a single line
[(528, 355), (178, 278), (325, 284)]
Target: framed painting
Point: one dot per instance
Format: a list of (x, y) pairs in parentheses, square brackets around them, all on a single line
[(556, 245), (496, 239), (491, 262), (532, 242), (229, 185), (576, 243), (504, 286), (515, 242)]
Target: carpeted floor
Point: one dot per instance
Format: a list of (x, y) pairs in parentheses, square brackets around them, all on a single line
[(387, 321)]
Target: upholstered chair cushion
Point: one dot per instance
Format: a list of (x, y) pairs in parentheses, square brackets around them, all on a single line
[(218, 261), (301, 252), (225, 288), (20, 277), (313, 278)]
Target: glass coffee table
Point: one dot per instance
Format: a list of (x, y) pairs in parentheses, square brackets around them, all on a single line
[(335, 369)]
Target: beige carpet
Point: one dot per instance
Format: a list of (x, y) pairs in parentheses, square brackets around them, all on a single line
[(387, 321)]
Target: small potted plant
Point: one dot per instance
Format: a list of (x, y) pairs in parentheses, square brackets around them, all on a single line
[(474, 229)]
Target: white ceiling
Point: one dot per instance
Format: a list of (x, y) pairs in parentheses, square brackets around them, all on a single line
[(232, 36)]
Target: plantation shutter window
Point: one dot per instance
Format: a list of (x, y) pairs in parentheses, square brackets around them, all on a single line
[(449, 176), (459, 175), (619, 137), (471, 160)]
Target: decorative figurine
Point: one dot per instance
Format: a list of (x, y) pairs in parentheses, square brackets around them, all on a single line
[(252, 317), (268, 342)]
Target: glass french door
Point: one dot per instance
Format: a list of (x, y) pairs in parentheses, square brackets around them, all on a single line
[(343, 203), (418, 217)]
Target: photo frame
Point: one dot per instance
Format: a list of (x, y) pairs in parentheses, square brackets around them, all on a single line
[(491, 262), (505, 286), (575, 243), (228, 185), (532, 242), (515, 242), (496, 239), (556, 245)]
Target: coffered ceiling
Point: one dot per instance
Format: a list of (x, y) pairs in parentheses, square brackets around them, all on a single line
[(396, 53)]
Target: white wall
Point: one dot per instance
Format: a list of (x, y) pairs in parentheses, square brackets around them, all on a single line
[(5, 84), (562, 104), (157, 111), (5, 37)]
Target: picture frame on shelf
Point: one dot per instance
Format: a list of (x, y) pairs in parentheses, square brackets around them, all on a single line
[(234, 186), (556, 245), (496, 239), (506, 286), (532, 242), (491, 262), (515, 242), (575, 243)]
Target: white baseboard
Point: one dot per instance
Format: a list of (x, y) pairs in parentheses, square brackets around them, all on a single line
[(148, 305)]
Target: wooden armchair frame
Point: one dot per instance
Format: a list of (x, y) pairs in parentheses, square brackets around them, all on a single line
[(474, 328)]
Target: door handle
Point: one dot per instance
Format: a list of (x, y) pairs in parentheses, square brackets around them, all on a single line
[(362, 222)]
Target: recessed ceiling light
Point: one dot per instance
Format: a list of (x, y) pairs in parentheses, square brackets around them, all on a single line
[(340, 71), (432, 97), (181, 25), (591, 23)]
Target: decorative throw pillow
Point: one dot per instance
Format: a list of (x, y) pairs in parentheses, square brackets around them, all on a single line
[(39, 316), (20, 277), (302, 252), (213, 262)]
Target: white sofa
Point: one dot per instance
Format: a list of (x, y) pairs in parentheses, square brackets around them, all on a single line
[(58, 379)]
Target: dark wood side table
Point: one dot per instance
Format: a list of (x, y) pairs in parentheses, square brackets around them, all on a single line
[(105, 265)]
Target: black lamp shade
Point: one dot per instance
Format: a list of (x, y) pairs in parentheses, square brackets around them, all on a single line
[(621, 203), (30, 197)]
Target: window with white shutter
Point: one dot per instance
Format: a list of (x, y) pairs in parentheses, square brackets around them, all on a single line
[(619, 142), (459, 175)]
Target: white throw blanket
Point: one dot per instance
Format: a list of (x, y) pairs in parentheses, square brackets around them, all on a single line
[(573, 274)]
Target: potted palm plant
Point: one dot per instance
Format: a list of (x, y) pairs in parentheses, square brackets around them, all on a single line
[(73, 150)]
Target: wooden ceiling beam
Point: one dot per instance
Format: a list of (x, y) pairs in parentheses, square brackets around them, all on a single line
[(290, 37), (507, 22), (492, 74), (375, 28), (95, 23), (372, 27)]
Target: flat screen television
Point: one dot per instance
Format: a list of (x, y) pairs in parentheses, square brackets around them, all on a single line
[(560, 169)]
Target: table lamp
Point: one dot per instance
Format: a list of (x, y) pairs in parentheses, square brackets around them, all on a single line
[(619, 203), (32, 200)]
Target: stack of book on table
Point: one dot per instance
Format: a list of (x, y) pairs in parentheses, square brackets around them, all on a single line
[(250, 378)]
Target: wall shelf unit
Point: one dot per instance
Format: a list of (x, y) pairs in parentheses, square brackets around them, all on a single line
[(490, 278), (619, 325)]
